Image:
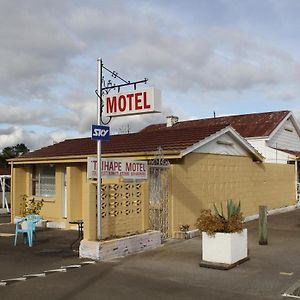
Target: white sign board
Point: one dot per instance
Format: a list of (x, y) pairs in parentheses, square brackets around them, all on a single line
[(127, 169), (132, 103)]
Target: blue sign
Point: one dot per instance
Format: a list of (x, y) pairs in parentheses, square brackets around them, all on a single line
[(100, 133)]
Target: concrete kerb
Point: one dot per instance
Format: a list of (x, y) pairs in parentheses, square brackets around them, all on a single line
[(274, 212)]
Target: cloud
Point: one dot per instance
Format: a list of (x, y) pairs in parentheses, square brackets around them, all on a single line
[(35, 46), (199, 55), (222, 60), (22, 114), (33, 140)]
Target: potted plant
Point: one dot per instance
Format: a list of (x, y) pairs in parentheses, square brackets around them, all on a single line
[(30, 206), (224, 240)]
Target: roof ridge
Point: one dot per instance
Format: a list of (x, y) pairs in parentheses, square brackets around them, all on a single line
[(241, 115)]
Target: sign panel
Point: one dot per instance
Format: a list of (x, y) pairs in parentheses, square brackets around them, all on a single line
[(128, 169), (100, 132), (132, 103)]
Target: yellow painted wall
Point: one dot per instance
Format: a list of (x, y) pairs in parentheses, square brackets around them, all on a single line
[(89, 210), (52, 208), (199, 180), (19, 187), (74, 191)]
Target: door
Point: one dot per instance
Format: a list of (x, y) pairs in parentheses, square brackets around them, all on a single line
[(64, 195)]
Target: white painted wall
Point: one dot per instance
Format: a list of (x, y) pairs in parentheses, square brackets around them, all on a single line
[(214, 147), (286, 139), (259, 145), (271, 155)]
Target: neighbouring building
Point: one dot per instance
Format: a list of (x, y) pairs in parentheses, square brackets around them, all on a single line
[(4, 189), (192, 164)]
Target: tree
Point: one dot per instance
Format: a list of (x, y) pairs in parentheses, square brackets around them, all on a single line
[(12, 152)]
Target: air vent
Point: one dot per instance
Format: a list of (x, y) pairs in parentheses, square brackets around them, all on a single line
[(289, 129), (227, 143)]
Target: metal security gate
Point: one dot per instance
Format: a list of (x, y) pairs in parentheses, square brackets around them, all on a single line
[(159, 194)]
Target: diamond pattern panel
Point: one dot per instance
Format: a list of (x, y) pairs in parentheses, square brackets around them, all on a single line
[(122, 209)]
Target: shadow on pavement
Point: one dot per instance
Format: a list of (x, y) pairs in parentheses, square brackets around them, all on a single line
[(51, 249)]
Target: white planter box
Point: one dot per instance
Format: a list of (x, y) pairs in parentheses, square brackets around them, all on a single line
[(225, 248)]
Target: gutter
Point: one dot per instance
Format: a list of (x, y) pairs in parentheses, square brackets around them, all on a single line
[(169, 154)]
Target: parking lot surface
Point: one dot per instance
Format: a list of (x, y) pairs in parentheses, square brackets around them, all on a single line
[(169, 272)]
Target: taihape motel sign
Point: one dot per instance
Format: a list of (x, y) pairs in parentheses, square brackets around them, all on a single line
[(126, 169)]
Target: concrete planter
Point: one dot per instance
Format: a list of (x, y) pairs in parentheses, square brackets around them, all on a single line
[(107, 250), (224, 250)]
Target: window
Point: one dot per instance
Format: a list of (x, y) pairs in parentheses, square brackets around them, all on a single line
[(43, 180)]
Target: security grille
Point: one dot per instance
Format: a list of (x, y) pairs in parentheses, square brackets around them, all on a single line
[(159, 194)]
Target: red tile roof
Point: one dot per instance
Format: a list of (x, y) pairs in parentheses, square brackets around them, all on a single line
[(128, 143), (249, 125), (177, 138)]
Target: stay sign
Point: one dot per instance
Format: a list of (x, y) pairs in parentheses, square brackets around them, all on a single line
[(100, 132)]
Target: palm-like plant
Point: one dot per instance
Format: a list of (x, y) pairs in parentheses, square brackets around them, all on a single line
[(232, 221), (233, 209)]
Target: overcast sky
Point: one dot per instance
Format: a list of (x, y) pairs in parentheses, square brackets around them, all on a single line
[(227, 56)]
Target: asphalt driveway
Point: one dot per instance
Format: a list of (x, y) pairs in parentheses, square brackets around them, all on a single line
[(170, 272)]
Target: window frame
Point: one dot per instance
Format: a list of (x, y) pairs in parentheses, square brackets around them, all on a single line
[(38, 178)]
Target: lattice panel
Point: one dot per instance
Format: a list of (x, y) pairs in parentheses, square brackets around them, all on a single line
[(122, 208)]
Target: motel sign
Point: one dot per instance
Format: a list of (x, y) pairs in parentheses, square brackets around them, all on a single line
[(132, 103)]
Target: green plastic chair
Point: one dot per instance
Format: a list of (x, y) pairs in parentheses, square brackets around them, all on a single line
[(34, 218), (25, 227)]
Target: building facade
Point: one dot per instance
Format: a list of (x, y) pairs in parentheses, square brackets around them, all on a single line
[(202, 164)]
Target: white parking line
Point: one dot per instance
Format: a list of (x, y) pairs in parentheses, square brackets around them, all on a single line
[(62, 269)]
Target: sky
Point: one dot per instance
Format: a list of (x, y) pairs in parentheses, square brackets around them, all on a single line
[(223, 56)]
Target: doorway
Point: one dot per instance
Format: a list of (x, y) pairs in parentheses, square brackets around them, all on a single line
[(64, 195)]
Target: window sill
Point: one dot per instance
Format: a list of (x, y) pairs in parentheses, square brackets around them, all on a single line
[(46, 199)]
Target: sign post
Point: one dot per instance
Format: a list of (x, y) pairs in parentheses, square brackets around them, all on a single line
[(99, 179), (120, 104)]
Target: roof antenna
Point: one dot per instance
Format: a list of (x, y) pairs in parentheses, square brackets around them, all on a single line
[(214, 114)]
